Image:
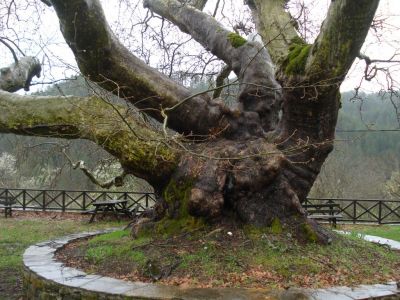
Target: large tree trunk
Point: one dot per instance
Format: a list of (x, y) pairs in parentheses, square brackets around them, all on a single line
[(259, 160), (254, 180)]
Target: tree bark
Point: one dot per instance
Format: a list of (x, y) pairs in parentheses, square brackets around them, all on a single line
[(275, 25), (340, 40), (254, 167), (19, 74)]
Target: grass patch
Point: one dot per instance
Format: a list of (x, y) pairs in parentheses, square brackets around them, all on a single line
[(18, 233), (104, 249), (253, 258), (386, 231)]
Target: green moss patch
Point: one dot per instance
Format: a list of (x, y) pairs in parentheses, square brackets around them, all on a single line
[(236, 40), (297, 58), (276, 226), (229, 256), (177, 194), (169, 227), (309, 233)]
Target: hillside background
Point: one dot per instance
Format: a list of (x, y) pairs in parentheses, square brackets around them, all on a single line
[(364, 164)]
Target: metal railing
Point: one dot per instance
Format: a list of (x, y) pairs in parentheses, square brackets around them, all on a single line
[(381, 211), (62, 200)]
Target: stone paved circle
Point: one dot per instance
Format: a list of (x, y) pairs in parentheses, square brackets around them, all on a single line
[(46, 278)]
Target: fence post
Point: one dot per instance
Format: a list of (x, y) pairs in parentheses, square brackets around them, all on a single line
[(84, 201), (380, 212), (63, 201), (147, 200), (44, 201), (354, 211), (23, 199)]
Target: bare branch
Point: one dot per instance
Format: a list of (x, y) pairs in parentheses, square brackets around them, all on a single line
[(117, 181), (371, 70), (13, 43), (11, 50)]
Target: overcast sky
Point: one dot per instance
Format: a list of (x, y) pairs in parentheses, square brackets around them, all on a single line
[(42, 36)]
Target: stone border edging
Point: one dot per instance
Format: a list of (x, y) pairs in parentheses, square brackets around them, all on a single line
[(46, 278)]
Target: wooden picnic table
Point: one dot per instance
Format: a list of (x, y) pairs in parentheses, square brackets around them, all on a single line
[(116, 207)]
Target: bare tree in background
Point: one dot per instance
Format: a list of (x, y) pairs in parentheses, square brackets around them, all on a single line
[(254, 162)]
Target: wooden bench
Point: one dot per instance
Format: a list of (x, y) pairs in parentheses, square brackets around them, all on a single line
[(325, 211), (6, 202)]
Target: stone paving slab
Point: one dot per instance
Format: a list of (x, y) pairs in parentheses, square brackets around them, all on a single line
[(45, 277), (109, 285), (53, 266), (33, 260), (39, 251), (76, 281), (153, 291), (365, 291), (328, 295)]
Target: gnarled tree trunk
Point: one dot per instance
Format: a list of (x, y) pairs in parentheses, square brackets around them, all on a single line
[(259, 159)]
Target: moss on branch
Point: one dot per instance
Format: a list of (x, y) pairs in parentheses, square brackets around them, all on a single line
[(140, 150), (236, 40), (295, 62)]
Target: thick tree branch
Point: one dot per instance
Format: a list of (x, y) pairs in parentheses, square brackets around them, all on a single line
[(10, 48), (311, 106), (142, 152), (250, 61), (313, 77), (340, 40), (275, 25), (103, 59), (19, 74)]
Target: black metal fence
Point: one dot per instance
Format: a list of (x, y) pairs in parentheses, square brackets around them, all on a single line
[(61, 200), (379, 211)]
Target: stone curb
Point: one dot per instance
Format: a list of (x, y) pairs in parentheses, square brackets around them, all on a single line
[(45, 278)]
